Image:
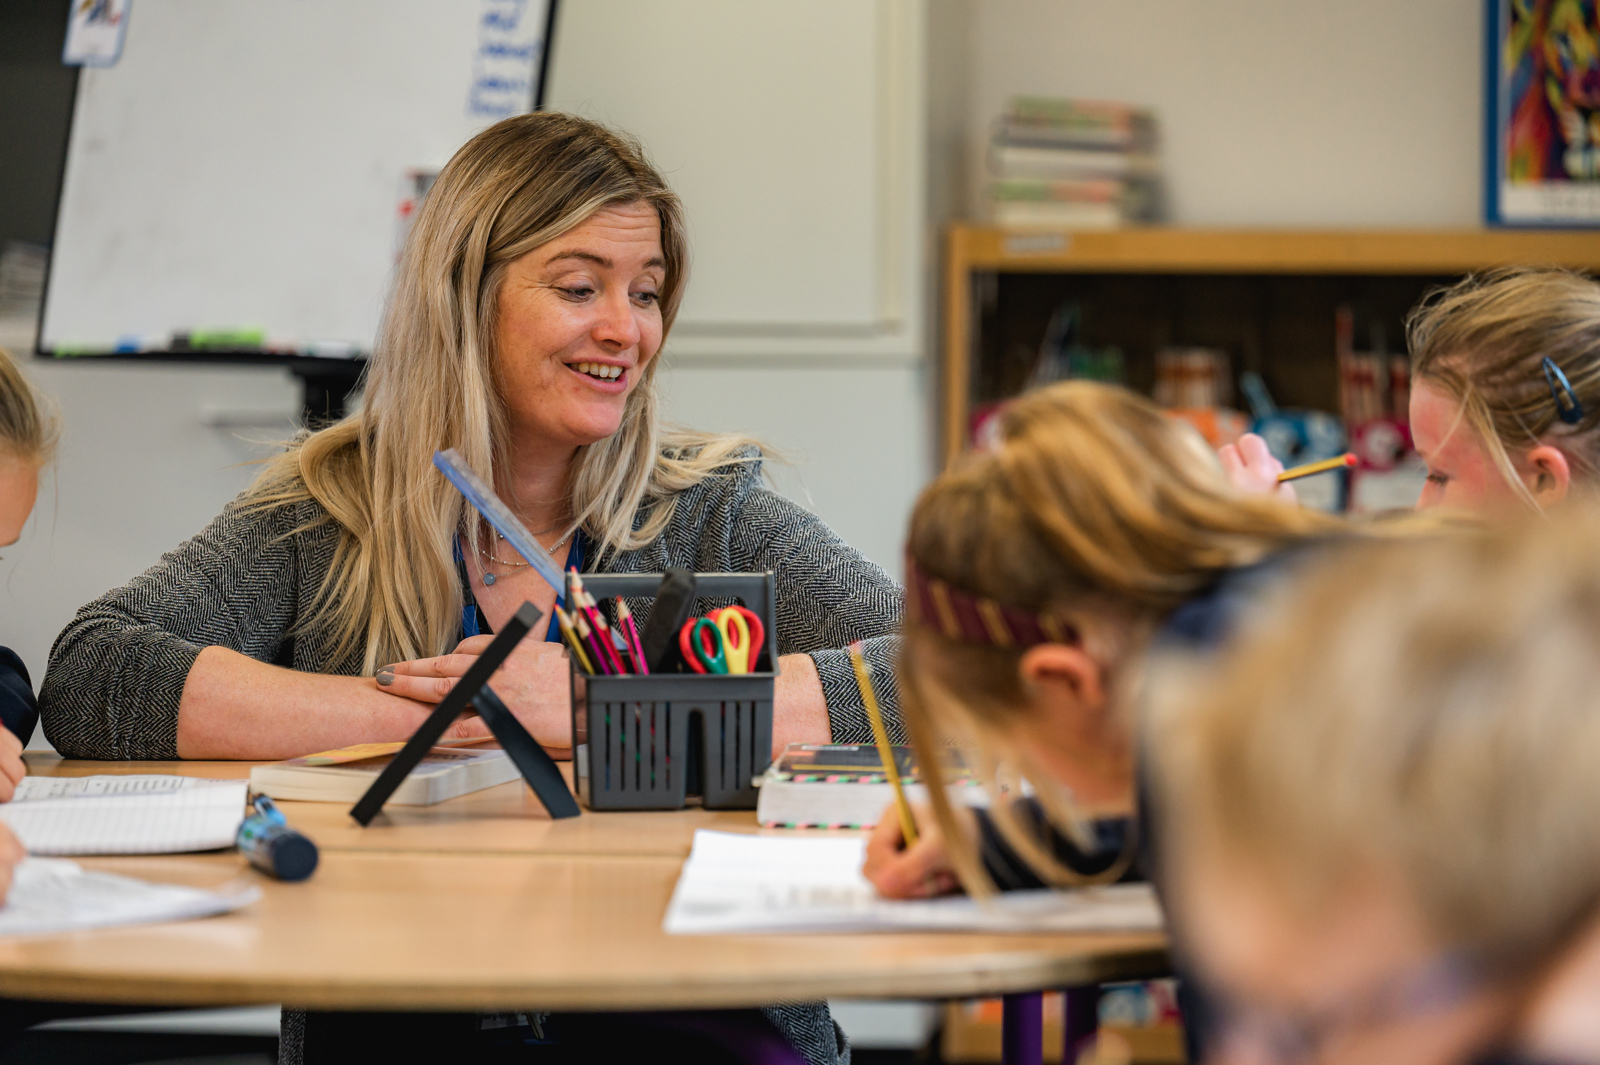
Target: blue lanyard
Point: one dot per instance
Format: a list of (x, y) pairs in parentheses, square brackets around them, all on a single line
[(469, 605)]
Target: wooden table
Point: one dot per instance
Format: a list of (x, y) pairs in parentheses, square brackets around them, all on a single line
[(483, 903)]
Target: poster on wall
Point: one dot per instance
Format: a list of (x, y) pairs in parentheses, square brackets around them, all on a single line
[(1543, 96)]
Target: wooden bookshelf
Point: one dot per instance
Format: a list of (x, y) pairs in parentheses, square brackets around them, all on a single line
[(972, 251)]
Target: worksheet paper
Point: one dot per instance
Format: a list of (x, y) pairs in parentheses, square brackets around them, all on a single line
[(51, 895), (735, 883), (142, 814)]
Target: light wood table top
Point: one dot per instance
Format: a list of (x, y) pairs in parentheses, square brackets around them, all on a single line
[(482, 903), (484, 932), (505, 819)]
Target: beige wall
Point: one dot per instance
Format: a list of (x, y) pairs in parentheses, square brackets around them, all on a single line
[(1274, 112)]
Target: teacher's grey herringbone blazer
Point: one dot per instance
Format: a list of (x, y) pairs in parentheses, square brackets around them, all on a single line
[(117, 672)]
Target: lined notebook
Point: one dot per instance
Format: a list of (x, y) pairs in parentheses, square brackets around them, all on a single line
[(735, 883), (140, 814), (54, 895)]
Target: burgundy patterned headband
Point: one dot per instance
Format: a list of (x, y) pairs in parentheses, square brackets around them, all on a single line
[(976, 619)]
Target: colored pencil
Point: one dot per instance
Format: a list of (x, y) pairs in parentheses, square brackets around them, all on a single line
[(593, 643), (630, 633), (570, 634), (908, 824), (1344, 461), (585, 601)]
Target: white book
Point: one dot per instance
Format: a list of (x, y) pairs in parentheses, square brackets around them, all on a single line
[(50, 895), (133, 814), (842, 785), (444, 773), (1023, 214), (733, 884), (1029, 161)]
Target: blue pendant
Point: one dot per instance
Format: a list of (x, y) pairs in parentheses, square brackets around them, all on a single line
[(488, 579)]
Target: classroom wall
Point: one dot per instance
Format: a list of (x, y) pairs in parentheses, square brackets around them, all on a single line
[(1273, 112)]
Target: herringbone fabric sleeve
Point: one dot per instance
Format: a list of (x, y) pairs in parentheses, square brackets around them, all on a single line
[(117, 671), (829, 594)]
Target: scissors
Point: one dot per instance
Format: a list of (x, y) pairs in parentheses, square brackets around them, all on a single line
[(701, 643), (742, 636)]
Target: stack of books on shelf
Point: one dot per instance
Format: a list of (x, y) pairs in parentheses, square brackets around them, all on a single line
[(1073, 164)]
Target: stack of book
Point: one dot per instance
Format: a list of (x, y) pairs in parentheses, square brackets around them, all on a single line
[(1073, 164)]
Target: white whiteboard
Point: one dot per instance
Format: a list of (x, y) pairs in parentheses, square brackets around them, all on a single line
[(243, 164)]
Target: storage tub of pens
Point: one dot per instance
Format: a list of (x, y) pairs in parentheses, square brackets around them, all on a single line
[(699, 722)]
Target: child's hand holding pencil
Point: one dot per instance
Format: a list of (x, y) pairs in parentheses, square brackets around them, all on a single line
[(917, 872)]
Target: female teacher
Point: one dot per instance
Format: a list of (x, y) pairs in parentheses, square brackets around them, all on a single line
[(322, 607)]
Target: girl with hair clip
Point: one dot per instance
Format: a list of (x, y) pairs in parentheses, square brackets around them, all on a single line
[(1505, 398), (1038, 574), (1379, 805)]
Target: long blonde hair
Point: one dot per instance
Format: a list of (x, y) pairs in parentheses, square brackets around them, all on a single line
[(1097, 513), (1483, 340), (1427, 709), (393, 591)]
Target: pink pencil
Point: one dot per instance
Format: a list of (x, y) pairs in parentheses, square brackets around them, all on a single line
[(589, 637), (602, 631), (630, 635)]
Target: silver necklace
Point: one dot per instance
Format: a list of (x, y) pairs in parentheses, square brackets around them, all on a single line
[(517, 563)]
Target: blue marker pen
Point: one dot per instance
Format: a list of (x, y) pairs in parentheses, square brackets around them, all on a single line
[(272, 846)]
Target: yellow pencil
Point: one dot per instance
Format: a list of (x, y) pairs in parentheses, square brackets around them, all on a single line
[(1347, 459), (573, 641), (908, 825)]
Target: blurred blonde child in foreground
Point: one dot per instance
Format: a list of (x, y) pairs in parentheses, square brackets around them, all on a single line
[(1379, 806), (27, 442)]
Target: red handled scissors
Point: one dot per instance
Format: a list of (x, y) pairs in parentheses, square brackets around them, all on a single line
[(701, 643)]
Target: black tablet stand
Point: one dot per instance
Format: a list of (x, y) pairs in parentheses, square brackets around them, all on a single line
[(473, 690)]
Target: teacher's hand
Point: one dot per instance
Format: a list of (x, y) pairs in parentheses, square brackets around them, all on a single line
[(532, 683)]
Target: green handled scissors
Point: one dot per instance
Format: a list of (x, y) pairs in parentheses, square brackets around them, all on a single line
[(704, 655)]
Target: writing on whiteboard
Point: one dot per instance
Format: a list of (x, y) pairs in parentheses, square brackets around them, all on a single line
[(509, 44)]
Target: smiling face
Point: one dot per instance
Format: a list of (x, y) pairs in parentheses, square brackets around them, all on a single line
[(579, 320)]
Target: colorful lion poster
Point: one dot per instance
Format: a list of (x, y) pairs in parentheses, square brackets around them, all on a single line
[(1544, 112)]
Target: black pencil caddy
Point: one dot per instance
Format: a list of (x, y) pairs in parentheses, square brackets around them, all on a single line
[(649, 742)]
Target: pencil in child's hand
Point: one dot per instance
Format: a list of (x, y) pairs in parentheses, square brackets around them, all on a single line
[(1344, 461), (908, 824)]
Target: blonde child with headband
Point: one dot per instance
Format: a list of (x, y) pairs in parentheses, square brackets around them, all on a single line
[(1038, 574)]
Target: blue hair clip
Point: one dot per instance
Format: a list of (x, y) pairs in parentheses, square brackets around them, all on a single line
[(1567, 405)]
